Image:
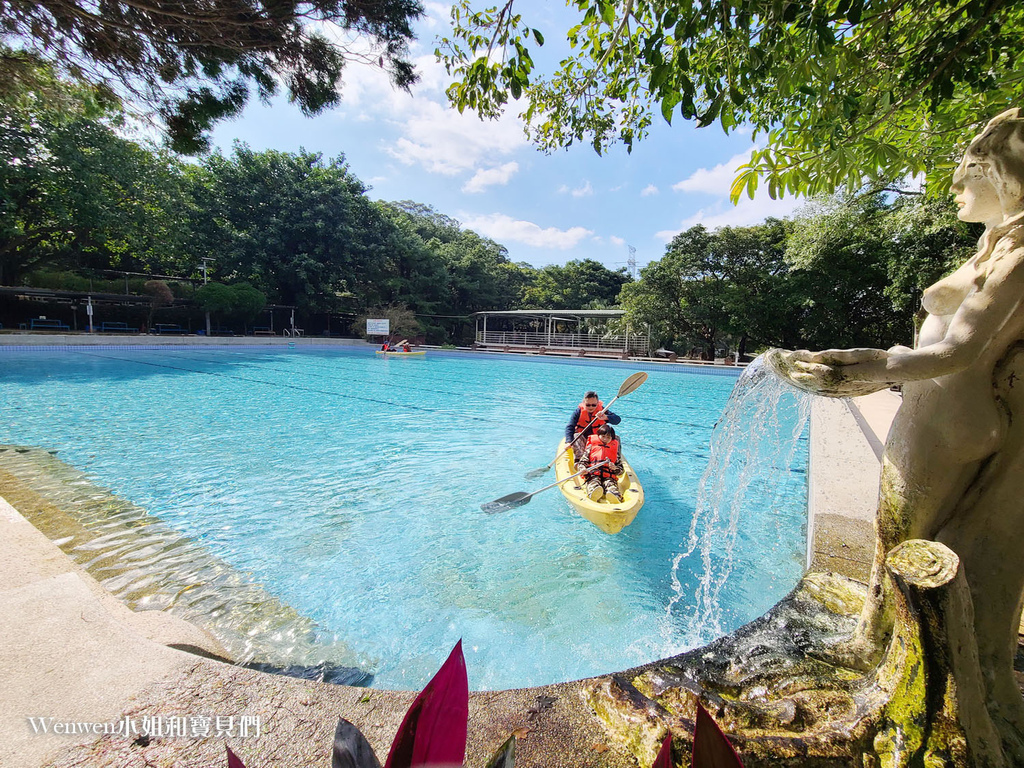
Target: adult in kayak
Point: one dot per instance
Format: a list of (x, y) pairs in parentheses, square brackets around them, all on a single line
[(588, 416)]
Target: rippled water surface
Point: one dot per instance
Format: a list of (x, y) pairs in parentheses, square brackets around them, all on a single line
[(349, 488)]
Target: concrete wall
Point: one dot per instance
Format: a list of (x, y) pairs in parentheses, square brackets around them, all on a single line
[(847, 438)]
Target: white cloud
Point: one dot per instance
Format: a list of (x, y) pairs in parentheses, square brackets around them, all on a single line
[(505, 229), (443, 141), (420, 128), (649, 190), (617, 241), (717, 182), (583, 190), (437, 14), (744, 214), (714, 181), (488, 177)]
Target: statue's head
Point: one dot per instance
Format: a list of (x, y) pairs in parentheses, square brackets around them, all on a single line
[(997, 153)]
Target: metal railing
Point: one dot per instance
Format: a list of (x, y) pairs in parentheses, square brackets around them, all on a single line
[(636, 345)]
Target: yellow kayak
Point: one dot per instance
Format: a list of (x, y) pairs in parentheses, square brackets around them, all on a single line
[(421, 353), (608, 516)]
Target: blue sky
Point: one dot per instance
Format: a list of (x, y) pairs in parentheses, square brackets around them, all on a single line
[(546, 209)]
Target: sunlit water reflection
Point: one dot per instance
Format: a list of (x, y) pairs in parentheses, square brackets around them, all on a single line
[(323, 506)]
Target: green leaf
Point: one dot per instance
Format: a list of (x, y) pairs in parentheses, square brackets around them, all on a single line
[(668, 105), (658, 76), (737, 186), (538, 37)]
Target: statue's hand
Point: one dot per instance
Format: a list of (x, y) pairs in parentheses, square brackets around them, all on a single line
[(827, 372), (840, 357)]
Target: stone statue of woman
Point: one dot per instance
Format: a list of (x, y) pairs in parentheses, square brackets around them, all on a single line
[(953, 468)]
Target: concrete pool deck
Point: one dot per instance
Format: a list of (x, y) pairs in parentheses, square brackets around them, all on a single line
[(74, 653)]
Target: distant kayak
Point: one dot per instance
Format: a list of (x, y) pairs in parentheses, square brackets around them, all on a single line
[(606, 515), (390, 353)]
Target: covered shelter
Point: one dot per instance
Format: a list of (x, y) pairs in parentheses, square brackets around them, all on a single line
[(557, 331)]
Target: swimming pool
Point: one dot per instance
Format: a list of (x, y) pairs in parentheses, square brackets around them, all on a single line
[(349, 488)]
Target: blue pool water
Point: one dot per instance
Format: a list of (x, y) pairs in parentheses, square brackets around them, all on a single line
[(349, 487)]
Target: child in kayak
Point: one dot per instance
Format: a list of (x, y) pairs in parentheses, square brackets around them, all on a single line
[(603, 482)]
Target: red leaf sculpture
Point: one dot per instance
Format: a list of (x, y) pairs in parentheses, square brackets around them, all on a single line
[(434, 729), (710, 747), (664, 758), (233, 760)]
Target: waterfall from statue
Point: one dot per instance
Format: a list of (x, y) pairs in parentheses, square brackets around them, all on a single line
[(753, 446)]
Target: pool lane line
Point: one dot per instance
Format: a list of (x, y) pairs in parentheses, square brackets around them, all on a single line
[(549, 410), (402, 406), (324, 367)]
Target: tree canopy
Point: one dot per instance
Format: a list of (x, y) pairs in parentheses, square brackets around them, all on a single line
[(845, 272), (195, 62), (74, 194), (78, 201), (576, 285), (838, 92)]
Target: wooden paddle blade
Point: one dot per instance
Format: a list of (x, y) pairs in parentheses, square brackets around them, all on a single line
[(632, 383), (533, 474), (511, 501)]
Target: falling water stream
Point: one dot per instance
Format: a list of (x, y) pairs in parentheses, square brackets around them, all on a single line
[(751, 464)]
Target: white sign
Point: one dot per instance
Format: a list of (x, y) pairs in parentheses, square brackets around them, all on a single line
[(378, 327)]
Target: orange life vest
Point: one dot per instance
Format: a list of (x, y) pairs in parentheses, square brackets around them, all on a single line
[(584, 419), (598, 451)]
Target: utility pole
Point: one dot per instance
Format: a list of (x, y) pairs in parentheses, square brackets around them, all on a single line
[(206, 259)]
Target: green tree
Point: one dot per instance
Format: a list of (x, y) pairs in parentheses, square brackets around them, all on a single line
[(839, 91), (860, 263), (415, 274), (160, 295), (728, 288), (297, 227), (239, 302), (575, 285), (478, 273), (76, 195), (757, 290), (678, 296), (194, 63)]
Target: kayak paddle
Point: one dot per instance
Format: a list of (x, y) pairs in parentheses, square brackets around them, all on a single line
[(519, 498), (629, 385)]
